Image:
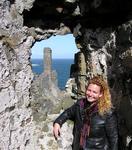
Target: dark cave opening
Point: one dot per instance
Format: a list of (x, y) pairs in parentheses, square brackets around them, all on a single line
[(44, 14)]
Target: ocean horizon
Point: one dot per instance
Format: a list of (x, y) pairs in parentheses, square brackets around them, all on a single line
[(62, 67)]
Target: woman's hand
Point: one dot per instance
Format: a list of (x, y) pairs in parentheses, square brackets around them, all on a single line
[(56, 130)]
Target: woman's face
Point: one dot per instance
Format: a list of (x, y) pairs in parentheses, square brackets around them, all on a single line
[(93, 92)]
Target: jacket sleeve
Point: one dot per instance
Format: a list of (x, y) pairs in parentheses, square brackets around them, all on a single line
[(68, 114), (112, 131)]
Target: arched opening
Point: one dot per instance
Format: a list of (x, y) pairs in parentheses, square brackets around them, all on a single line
[(63, 50)]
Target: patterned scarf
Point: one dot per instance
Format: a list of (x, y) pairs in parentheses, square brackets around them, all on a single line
[(88, 111)]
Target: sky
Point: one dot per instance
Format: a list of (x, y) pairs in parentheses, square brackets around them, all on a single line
[(63, 47)]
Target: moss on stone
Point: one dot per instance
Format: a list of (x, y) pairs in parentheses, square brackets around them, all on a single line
[(45, 128), (67, 102), (70, 122), (39, 117), (50, 142), (50, 135), (56, 109)]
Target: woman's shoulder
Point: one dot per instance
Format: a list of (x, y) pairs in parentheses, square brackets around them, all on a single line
[(110, 113)]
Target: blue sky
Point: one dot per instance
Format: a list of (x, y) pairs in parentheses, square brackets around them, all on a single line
[(62, 47)]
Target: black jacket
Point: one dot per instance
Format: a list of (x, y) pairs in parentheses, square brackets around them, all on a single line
[(103, 130)]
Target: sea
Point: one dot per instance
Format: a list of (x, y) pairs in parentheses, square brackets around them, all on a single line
[(62, 67)]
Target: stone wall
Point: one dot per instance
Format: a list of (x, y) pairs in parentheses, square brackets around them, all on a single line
[(16, 126)]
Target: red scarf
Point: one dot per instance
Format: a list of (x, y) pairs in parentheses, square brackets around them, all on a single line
[(88, 111)]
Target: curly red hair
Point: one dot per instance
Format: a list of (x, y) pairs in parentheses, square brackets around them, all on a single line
[(104, 103)]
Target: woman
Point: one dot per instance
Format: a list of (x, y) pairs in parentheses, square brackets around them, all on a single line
[(95, 125)]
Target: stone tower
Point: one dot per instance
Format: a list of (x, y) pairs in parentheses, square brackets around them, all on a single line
[(47, 61), (49, 74)]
